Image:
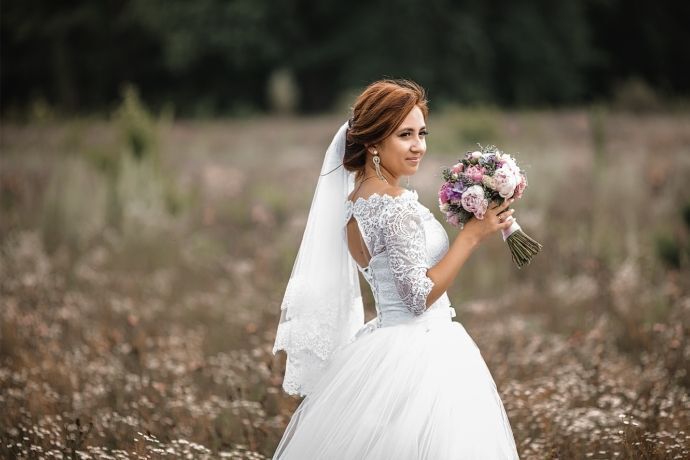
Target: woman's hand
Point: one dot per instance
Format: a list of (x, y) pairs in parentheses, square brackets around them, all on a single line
[(496, 218)]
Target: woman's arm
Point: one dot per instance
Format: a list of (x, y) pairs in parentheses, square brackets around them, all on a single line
[(405, 242), (474, 232)]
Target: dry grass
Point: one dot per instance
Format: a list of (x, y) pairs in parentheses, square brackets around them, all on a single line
[(150, 337)]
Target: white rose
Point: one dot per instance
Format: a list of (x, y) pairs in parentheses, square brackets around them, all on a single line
[(489, 182), (473, 201), (505, 181), (509, 161)]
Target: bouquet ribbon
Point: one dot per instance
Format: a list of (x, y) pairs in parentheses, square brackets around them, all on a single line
[(514, 227)]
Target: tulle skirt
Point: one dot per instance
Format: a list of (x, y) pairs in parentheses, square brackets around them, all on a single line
[(417, 390)]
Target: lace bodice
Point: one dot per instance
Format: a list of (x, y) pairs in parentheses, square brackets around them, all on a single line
[(404, 239)]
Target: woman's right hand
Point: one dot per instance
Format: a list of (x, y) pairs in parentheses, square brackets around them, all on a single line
[(495, 218)]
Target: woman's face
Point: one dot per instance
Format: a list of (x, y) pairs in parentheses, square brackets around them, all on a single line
[(402, 152)]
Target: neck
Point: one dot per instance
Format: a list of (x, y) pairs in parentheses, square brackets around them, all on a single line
[(390, 177)]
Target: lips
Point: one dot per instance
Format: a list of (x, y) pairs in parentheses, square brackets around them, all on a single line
[(414, 160)]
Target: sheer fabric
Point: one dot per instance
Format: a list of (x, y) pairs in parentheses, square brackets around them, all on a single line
[(403, 236), (322, 307)]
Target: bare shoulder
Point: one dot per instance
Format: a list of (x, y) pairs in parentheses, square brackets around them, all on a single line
[(394, 190), (374, 189)]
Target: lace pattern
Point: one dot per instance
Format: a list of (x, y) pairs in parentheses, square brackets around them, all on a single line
[(394, 224), (311, 342), (403, 235)]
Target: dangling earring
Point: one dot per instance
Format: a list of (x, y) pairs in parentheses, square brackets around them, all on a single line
[(377, 162), (408, 181)]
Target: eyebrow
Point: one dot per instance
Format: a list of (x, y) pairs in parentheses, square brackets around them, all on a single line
[(407, 128)]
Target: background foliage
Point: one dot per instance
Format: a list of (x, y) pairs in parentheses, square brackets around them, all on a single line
[(144, 255), (218, 57)]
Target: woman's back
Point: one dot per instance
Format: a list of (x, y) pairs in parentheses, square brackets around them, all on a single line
[(403, 239)]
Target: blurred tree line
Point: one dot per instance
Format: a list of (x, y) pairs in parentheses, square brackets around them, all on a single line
[(221, 56)]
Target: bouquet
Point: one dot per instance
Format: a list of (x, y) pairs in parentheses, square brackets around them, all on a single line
[(483, 177)]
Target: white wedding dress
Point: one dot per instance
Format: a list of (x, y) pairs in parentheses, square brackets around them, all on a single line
[(412, 384)]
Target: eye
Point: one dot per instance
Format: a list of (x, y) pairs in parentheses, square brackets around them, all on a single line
[(422, 133)]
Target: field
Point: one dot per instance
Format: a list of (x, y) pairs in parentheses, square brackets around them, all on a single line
[(143, 261)]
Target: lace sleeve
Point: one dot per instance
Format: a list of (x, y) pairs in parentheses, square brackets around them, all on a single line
[(405, 242)]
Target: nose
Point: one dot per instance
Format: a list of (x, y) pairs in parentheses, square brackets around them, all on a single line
[(417, 145)]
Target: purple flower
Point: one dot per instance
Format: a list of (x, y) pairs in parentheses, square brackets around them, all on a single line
[(444, 193), (455, 192), (488, 160)]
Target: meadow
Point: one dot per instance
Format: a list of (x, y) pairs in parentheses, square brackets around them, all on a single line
[(143, 260)]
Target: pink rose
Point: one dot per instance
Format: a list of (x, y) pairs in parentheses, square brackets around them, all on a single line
[(475, 173), (505, 181), (458, 168), (443, 193), (473, 201), (520, 187)]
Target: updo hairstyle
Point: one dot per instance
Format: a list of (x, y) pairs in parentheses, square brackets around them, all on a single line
[(377, 113)]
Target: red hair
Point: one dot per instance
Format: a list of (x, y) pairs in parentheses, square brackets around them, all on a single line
[(377, 112)]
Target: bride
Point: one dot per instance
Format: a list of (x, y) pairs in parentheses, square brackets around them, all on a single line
[(411, 383)]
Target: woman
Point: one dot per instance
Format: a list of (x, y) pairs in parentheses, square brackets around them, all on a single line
[(410, 384)]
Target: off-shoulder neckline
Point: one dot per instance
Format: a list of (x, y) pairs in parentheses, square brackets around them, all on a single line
[(406, 192)]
